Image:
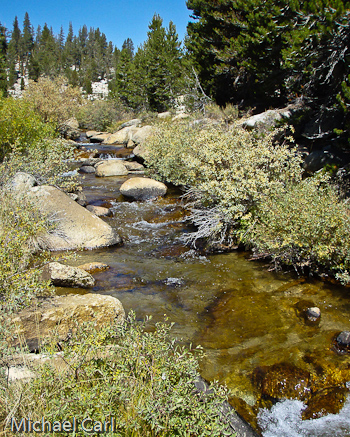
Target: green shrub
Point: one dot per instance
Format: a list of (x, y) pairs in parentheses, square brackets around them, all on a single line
[(21, 128), (47, 161), (100, 115), (145, 382), (226, 173), (306, 226)]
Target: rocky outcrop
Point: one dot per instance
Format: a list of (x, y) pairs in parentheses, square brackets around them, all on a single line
[(164, 115), (75, 226), (111, 167), (67, 276), (60, 315), (70, 129), (143, 188), (92, 133)]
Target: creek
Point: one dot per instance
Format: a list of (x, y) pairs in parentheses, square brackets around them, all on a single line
[(248, 319)]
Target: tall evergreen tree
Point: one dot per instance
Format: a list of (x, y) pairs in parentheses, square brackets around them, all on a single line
[(3, 65), (13, 53)]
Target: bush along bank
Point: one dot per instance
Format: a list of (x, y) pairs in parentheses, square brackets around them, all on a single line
[(247, 189)]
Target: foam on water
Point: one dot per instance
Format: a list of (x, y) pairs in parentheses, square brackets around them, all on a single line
[(284, 420)]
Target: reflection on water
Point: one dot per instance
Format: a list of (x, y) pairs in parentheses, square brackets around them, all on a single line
[(243, 315)]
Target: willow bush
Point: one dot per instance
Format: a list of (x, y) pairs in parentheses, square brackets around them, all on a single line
[(143, 380), (249, 190), (226, 174), (306, 226), (21, 128)]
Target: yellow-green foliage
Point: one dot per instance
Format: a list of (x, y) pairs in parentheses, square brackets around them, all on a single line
[(144, 381), (227, 172), (46, 161), (54, 99), (21, 225), (100, 114), (21, 128), (305, 225)]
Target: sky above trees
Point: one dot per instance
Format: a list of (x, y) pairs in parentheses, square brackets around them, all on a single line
[(118, 19)]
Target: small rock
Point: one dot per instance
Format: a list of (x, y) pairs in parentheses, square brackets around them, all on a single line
[(313, 314), (94, 267), (143, 188), (100, 211), (343, 339), (163, 115), (87, 169), (133, 166), (67, 276)]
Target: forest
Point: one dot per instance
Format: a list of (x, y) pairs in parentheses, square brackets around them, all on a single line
[(252, 54)]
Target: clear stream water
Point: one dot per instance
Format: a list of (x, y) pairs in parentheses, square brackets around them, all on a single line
[(244, 316)]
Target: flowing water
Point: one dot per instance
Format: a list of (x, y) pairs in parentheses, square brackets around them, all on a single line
[(248, 320)]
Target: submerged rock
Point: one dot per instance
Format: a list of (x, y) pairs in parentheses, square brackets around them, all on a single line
[(94, 267), (143, 188), (342, 342), (283, 381), (100, 211)]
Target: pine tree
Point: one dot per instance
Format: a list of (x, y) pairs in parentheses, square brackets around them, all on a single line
[(3, 69), (13, 53)]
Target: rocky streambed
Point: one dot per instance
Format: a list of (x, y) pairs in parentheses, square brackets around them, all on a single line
[(270, 337)]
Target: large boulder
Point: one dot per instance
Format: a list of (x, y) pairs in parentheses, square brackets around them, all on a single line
[(67, 276), (134, 122), (140, 135), (76, 227), (143, 188), (111, 167), (122, 136), (62, 314), (267, 119), (99, 138), (21, 183)]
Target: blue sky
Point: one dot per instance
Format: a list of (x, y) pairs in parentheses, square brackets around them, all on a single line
[(118, 19)]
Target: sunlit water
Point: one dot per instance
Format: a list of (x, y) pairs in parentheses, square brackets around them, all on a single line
[(243, 315)]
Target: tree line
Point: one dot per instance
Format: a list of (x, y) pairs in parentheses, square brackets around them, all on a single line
[(150, 78), (254, 53)]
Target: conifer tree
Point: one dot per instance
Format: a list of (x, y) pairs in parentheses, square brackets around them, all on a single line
[(3, 69)]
